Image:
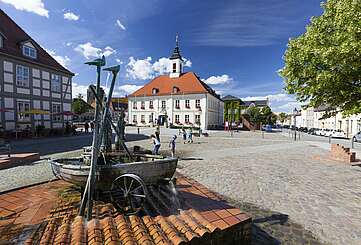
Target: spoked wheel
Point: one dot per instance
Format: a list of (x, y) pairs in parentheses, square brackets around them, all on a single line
[(128, 193)]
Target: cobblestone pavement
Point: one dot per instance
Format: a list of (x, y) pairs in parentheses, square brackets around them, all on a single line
[(292, 197), (29, 174)]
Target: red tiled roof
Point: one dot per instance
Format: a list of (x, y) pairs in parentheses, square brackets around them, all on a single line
[(187, 83), (195, 216), (14, 36)]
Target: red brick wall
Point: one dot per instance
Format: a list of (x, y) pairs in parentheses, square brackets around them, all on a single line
[(341, 153)]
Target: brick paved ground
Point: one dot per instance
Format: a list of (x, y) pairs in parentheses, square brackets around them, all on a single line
[(292, 196), (25, 208)]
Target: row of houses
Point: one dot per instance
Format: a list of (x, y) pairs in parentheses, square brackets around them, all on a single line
[(34, 88), (313, 118)]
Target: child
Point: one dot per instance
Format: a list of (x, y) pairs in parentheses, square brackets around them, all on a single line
[(184, 135), (172, 145), (190, 136), (156, 144)]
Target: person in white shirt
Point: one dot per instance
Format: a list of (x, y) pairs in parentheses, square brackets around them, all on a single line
[(156, 144)]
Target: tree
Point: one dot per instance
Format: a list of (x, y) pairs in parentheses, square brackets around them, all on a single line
[(79, 106), (266, 115), (282, 117), (323, 66), (255, 115)]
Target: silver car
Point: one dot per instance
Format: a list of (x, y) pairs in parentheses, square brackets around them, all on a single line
[(357, 137)]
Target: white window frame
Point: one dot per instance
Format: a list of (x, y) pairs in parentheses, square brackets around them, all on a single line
[(22, 77), (142, 118), (198, 118), (29, 52), (176, 119), (56, 108), (151, 104), (23, 106), (150, 118), (198, 103), (187, 104), (134, 105), (164, 104), (56, 83), (177, 104), (186, 118), (135, 119), (142, 104)]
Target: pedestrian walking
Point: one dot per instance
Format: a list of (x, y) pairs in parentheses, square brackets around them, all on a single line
[(92, 126), (190, 136), (86, 126), (184, 135), (138, 131), (156, 144), (172, 145)]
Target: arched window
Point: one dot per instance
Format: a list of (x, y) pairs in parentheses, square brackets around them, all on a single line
[(155, 91)]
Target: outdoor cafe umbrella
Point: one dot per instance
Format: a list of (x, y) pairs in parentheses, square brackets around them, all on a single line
[(34, 112)]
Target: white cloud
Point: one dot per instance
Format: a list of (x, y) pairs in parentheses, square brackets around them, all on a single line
[(62, 60), (108, 51), (121, 25), (119, 61), (89, 51), (281, 97), (140, 69), (215, 80), (129, 88), (79, 89), (33, 6), (68, 44), (143, 69), (71, 16)]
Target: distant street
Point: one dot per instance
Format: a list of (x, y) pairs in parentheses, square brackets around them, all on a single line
[(46, 146)]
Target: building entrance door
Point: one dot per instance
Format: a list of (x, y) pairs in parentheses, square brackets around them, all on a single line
[(162, 119)]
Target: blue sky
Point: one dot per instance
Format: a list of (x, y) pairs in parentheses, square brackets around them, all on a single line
[(236, 46)]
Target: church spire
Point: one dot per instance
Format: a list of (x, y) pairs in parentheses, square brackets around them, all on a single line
[(176, 52)]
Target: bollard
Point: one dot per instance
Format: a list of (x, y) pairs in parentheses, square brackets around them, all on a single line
[(329, 139), (352, 143)]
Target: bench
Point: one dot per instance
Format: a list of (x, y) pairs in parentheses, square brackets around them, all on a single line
[(4, 147)]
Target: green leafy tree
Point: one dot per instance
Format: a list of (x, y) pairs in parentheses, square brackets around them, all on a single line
[(79, 106), (323, 66), (282, 117), (254, 114)]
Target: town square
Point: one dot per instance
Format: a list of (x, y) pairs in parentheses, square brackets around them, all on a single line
[(142, 123)]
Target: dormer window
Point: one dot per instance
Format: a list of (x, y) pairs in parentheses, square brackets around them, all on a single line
[(29, 51), (155, 91), (175, 89)]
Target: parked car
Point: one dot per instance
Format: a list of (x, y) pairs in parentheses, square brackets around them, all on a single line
[(338, 134), (357, 137), (311, 130), (319, 132), (328, 132), (267, 128)]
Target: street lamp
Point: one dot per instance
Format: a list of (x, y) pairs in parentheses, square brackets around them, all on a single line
[(294, 121)]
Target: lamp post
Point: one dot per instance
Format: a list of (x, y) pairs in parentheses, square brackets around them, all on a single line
[(294, 121)]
